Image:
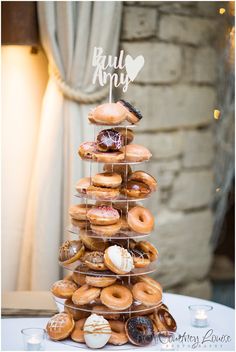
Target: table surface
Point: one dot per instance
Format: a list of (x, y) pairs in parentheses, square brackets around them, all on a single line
[(219, 335)]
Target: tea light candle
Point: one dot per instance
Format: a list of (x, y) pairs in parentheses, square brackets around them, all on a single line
[(200, 315), (201, 318), (34, 344)]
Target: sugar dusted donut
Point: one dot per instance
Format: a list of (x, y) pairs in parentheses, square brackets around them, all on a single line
[(145, 178), (118, 334), (133, 114), (85, 294), (60, 326), (140, 220), (70, 251), (102, 193), (116, 297), (118, 260), (87, 149), (139, 330), (63, 288), (78, 332), (107, 179), (108, 114), (97, 331), (83, 184), (103, 215), (109, 140), (146, 294), (79, 211), (135, 153)]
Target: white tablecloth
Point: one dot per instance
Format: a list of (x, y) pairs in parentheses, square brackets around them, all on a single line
[(211, 338)]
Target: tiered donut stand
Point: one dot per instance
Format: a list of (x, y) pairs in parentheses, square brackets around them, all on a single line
[(86, 240)]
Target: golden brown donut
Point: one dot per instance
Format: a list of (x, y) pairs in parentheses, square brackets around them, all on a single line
[(135, 189), (70, 251), (140, 258), (118, 334), (78, 278), (140, 220), (63, 288), (103, 215), (87, 150), (123, 170), (85, 294), (128, 134), (135, 153), (108, 114), (109, 157), (93, 244), (100, 281), (83, 184), (79, 211), (133, 114), (107, 179), (78, 333), (102, 310), (102, 193), (146, 294), (106, 230), (145, 178), (116, 297), (95, 260), (151, 282), (164, 321), (72, 309), (60, 326), (124, 223), (148, 248)]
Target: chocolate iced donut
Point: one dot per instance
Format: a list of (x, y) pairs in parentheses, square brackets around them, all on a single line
[(139, 330), (70, 251), (134, 115), (135, 189), (109, 140)]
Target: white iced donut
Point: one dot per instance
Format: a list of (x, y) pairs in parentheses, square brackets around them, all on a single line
[(118, 260), (97, 331)]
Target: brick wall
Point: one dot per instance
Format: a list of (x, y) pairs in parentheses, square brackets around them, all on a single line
[(176, 91)]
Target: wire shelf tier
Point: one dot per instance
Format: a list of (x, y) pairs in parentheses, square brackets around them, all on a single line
[(81, 268), (136, 308), (124, 124), (120, 198), (124, 162), (122, 234)]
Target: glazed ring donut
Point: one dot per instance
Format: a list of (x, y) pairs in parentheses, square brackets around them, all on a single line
[(101, 310), (108, 114), (83, 184), (124, 170), (109, 141), (164, 320), (146, 294), (78, 333), (148, 248), (145, 178), (79, 211), (73, 310), (63, 288), (87, 150), (106, 231), (151, 282), (116, 297), (135, 189), (139, 330), (60, 326), (118, 334), (107, 179), (102, 193), (128, 134), (103, 215), (140, 220), (133, 114), (112, 157), (135, 153), (93, 244), (85, 294), (78, 278), (70, 251), (95, 261), (100, 281)]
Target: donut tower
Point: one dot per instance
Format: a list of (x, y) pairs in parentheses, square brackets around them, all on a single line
[(108, 297)]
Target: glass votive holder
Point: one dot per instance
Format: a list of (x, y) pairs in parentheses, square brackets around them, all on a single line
[(34, 339), (200, 315), (166, 340)]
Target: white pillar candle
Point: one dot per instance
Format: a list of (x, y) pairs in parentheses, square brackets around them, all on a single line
[(34, 344)]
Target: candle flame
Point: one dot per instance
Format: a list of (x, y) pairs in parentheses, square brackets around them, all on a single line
[(217, 114)]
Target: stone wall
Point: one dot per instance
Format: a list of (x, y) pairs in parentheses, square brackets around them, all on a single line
[(176, 92)]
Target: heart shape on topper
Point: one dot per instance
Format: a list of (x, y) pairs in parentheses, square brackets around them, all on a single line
[(133, 66)]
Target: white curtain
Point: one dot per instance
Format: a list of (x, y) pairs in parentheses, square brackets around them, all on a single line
[(69, 32)]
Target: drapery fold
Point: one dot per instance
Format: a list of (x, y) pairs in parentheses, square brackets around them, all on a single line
[(69, 32)]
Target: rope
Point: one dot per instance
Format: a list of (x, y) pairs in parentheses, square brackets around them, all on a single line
[(76, 94)]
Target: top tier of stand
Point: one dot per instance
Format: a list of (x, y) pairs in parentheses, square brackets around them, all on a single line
[(123, 124)]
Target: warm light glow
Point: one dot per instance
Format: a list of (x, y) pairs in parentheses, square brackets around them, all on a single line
[(216, 114), (218, 189), (221, 10)]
